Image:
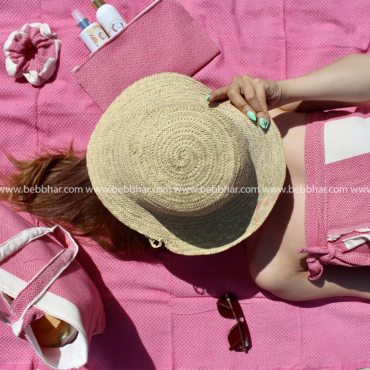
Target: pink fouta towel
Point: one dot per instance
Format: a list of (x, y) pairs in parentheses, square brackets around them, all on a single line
[(337, 223), (162, 38)]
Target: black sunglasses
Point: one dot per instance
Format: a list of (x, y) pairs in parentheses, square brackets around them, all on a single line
[(239, 337)]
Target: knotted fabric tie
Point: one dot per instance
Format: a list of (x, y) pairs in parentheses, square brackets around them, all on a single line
[(317, 257)]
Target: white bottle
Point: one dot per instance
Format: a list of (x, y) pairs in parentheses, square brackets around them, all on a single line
[(108, 16), (92, 35)]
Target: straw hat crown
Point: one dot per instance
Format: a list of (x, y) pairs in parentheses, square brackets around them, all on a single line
[(176, 152), (179, 165)]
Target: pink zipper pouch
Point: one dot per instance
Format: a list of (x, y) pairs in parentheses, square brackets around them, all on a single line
[(162, 38)]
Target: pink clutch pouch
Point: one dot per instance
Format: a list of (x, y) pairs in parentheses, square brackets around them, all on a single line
[(162, 38)]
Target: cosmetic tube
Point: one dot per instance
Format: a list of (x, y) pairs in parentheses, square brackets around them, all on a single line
[(92, 35), (108, 16)]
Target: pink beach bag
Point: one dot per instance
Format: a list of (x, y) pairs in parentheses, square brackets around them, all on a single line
[(38, 269)]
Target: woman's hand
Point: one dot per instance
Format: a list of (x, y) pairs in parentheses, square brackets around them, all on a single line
[(253, 96)]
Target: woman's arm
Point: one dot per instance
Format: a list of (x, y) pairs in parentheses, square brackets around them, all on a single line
[(346, 82), (310, 106)]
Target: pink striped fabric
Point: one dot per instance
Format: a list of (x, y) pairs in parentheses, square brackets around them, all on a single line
[(23, 44), (335, 210), (32, 52)]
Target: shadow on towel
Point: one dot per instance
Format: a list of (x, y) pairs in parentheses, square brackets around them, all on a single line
[(120, 344)]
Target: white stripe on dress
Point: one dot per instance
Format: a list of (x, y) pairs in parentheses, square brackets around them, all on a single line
[(346, 138)]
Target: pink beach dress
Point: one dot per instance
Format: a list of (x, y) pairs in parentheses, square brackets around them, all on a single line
[(337, 207)]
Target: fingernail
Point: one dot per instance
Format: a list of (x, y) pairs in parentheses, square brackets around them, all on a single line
[(262, 123), (208, 96), (251, 115), (267, 123)]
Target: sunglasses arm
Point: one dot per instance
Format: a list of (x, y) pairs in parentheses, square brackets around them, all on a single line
[(239, 323)]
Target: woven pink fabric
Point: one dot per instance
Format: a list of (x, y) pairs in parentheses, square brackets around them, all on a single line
[(337, 195), (30, 262), (163, 38), (161, 308), (32, 52), (19, 47)]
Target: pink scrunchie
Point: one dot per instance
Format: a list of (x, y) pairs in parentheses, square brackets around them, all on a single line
[(40, 68)]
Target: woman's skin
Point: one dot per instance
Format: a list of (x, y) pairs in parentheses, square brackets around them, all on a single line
[(274, 263), (344, 83)]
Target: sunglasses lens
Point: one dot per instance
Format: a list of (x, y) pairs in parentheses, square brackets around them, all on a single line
[(235, 340), (224, 308)]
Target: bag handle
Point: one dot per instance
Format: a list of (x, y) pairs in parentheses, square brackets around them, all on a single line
[(23, 238), (48, 274)]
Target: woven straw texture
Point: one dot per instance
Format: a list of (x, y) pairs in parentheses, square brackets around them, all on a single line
[(160, 146)]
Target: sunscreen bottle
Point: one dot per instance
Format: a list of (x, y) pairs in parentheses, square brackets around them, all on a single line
[(92, 35), (108, 16)]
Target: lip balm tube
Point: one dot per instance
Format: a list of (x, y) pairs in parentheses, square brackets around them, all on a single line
[(92, 35)]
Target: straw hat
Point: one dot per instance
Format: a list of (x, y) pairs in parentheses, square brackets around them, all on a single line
[(182, 171)]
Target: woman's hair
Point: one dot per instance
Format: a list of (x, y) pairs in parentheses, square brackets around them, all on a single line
[(38, 187)]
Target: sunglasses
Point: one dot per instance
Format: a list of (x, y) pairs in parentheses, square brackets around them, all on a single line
[(239, 337)]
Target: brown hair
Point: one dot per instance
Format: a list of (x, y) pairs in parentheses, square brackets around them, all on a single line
[(81, 213)]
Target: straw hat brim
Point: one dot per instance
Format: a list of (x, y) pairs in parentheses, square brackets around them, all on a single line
[(201, 235)]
